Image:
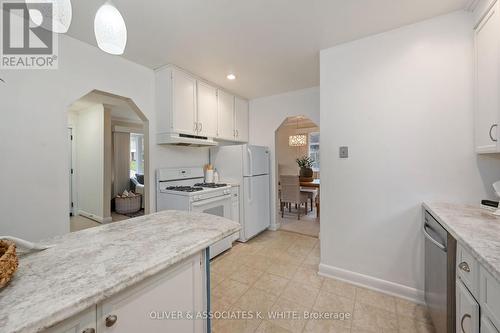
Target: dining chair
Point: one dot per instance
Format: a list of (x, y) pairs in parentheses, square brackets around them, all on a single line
[(291, 194)]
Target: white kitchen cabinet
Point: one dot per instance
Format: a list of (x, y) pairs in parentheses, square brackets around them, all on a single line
[(467, 310), (175, 102), (487, 326), (143, 308), (225, 116), (207, 110), (240, 119), (84, 322), (489, 296), (468, 270), (487, 81)]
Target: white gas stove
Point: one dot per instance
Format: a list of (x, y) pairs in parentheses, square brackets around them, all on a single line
[(184, 189)]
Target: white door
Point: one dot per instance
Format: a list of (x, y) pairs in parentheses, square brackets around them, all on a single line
[(143, 308), (255, 160), (241, 119), (207, 110), (467, 311), (184, 103), (225, 116), (256, 205), (487, 40)]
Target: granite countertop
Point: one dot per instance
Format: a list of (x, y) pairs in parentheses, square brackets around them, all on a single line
[(475, 228), (86, 267)]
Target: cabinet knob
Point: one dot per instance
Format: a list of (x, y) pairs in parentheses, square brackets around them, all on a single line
[(464, 266), (89, 330), (111, 320), (491, 135)]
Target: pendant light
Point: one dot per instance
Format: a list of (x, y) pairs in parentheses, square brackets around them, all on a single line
[(297, 140), (110, 29), (61, 15)]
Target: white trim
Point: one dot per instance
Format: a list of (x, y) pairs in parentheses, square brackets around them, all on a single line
[(471, 5), (125, 129), (373, 283), (96, 218)]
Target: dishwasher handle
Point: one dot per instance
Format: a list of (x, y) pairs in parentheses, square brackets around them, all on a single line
[(429, 237)]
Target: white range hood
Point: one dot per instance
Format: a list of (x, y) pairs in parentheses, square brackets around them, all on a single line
[(185, 140)]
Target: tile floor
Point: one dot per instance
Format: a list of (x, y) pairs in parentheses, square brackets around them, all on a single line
[(277, 272), (307, 225), (77, 223)]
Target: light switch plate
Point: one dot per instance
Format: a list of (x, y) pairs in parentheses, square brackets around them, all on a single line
[(344, 152)]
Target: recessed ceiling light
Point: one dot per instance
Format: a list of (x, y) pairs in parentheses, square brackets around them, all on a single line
[(231, 77)]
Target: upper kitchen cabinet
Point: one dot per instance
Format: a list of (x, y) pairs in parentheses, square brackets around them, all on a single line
[(225, 116), (207, 110), (240, 119), (176, 101), (487, 80)]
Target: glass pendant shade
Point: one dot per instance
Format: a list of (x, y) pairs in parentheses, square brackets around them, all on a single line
[(61, 15), (110, 29), (299, 140)]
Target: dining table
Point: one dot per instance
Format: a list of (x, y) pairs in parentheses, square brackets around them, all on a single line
[(315, 183)]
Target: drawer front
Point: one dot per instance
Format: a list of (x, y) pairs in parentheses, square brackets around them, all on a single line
[(467, 311), (468, 270), (487, 326), (490, 297)]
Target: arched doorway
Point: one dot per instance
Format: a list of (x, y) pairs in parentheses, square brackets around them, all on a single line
[(297, 139), (109, 160)]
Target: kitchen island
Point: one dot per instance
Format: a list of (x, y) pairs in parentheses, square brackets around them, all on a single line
[(141, 268), (477, 232)]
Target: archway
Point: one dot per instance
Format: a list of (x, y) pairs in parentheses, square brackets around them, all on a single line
[(297, 138), (109, 160)]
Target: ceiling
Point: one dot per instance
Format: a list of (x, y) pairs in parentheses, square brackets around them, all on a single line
[(271, 45)]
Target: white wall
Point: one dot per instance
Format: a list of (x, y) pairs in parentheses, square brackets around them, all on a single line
[(89, 144), (267, 114), (34, 198), (402, 102)]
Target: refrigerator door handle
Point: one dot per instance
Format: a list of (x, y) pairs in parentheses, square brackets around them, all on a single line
[(250, 197), (250, 161)]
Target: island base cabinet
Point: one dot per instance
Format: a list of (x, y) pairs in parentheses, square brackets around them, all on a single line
[(159, 304), (84, 322), (467, 310), (487, 326)]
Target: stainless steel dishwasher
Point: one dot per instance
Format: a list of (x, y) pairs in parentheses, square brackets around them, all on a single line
[(440, 253)]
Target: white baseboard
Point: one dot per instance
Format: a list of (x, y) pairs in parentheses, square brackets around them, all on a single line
[(369, 282), (94, 217)]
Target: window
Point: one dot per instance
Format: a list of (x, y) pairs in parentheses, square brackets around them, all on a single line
[(136, 154), (314, 149)]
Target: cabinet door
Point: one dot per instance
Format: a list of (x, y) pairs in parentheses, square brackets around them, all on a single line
[(467, 310), (487, 326), (225, 116), (207, 110), (84, 322), (487, 53), (150, 306), (241, 119), (184, 103)]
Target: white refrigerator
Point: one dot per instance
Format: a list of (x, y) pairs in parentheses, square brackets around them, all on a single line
[(249, 167)]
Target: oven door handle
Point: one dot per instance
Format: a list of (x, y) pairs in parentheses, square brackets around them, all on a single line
[(429, 237), (210, 201)]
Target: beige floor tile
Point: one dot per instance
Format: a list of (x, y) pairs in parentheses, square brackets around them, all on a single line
[(230, 290), (375, 298), (283, 269), (268, 327), (374, 319), (219, 304), (216, 279), (255, 301), (246, 274), (224, 266), (411, 325), (412, 310), (312, 260), (293, 313), (327, 302), (308, 277), (271, 283), (338, 287), (260, 262), (327, 326), (237, 325), (300, 293)]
